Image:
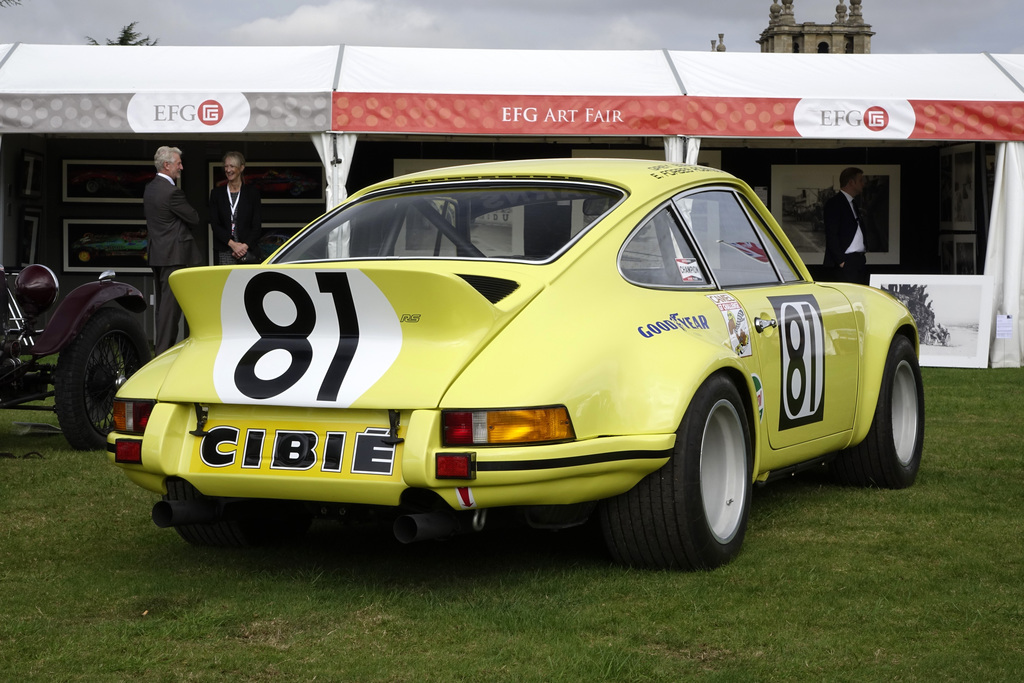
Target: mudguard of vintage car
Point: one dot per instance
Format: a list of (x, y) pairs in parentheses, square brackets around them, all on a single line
[(78, 307)]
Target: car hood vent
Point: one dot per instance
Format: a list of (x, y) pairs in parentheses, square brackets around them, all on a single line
[(494, 289)]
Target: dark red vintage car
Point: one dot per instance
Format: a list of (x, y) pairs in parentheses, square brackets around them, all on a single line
[(91, 345)]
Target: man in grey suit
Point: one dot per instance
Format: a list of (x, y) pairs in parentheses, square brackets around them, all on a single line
[(169, 222)]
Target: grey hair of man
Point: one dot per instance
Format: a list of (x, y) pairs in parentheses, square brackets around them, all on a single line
[(164, 155)]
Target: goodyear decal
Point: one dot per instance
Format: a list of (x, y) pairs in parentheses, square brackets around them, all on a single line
[(303, 337), (674, 322), (735, 321)]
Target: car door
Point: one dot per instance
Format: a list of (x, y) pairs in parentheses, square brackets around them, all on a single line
[(806, 346), (801, 338)]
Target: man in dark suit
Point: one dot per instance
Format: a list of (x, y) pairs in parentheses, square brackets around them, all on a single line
[(169, 222), (844, 234)]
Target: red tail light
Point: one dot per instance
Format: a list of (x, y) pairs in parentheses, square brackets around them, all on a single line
[(132, 416), (128, 451), (455, 466)]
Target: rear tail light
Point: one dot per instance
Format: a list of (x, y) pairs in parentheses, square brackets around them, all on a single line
[(131, 416), (128, 451), (455, 466), (506, 427)]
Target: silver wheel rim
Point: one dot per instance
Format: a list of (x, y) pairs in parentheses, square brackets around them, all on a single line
[(904, 413), (723, 471)]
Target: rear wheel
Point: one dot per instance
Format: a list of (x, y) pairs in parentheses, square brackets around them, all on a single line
[(890, 455), (110, 347), (692, 513)]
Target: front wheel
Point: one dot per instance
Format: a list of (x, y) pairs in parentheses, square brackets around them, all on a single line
[(692, 513), (890, 455), (110, 347)]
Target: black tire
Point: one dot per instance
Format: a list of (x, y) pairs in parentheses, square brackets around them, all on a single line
[(692, 513), (288, 525), (890, 455), (110, 347)]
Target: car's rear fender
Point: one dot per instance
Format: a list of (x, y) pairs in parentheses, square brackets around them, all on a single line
[(628, 365), (887, 319)]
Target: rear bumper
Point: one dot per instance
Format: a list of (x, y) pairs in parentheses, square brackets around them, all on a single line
[(346, 457)]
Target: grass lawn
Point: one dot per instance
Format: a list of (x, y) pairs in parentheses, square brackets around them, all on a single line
[(835, 584)]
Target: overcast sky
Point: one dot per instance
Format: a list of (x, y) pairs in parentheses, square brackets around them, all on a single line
[(901, 26)]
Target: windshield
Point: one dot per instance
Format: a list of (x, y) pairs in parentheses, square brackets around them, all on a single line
[(528, 221)]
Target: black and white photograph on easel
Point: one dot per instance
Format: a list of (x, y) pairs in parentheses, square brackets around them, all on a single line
[(953, 315)]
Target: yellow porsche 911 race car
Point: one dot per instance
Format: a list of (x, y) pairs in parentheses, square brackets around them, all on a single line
[(545, 341)]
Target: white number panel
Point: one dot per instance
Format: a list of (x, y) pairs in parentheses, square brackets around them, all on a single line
[(303, 337)]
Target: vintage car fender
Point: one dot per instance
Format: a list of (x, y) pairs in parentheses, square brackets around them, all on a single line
[(77, 307)]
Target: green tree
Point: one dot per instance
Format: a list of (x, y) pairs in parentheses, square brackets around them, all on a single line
[(128, 36)]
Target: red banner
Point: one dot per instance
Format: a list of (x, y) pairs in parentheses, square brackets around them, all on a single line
[(585, 115)]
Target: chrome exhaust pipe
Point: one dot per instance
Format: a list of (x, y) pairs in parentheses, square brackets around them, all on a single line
[(437, 525)]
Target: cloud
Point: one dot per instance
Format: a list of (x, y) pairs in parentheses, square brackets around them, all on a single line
[(357, 22), (552, 24)]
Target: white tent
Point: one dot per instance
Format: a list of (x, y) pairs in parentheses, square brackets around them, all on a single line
[(336, 94)]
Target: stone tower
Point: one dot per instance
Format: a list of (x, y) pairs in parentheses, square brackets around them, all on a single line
[(847, 34)]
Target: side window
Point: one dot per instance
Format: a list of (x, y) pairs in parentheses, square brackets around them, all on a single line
[(778, 256), (731, 246), (658, 254)]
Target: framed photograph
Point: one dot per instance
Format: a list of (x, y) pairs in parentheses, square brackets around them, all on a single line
[(953, 315), (28, 235), (798, 197), (98, 244), (956, 188), (284, 182), (106, 181), (272, 236), (30, 180), (965, 254)]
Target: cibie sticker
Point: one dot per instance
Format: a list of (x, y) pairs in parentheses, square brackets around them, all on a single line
[(735, 321), (689, 270), (303, 337)]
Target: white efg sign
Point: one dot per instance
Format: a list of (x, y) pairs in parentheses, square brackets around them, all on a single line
[(841, 119), (188, 112)]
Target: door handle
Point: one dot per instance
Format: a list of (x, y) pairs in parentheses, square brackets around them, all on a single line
[(762, 324)]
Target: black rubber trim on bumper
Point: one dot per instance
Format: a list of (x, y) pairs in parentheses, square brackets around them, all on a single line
[(483, 465)]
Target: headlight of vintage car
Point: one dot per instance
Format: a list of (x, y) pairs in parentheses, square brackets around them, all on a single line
[(506, 427), (36, 289)]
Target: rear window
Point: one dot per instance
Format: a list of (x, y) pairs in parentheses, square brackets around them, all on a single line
[(507, 221)]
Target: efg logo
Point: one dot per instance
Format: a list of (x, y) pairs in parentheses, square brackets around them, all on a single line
[(876, 119), (211, 112)]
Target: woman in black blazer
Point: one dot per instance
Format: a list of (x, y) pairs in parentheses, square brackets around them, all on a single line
[(235, 215)]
